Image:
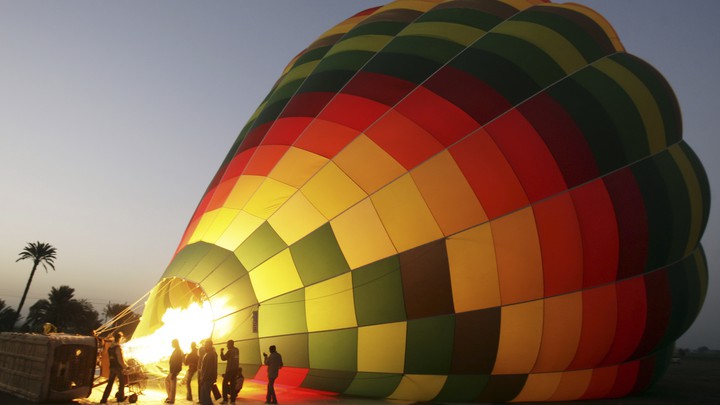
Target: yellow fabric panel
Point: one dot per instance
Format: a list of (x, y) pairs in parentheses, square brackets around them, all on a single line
[(473, 270), (361, 235), (238, 230), (332, 191), (695, 194), (418, 387), (572, 385), (368, 164), (244, 188), (458, 33), (406, 217), (205, 221), (555, 45), (297, 166), (222, 221), (270, 196), (641, 97), (521, 328), (418, 5), (276, 276), (448, 194), (329, 305), (561, 332), (539, 387), (295, 219), (519, 259), (381, 348), (597, 18), (370, 43), (343, 27), (298, 72)]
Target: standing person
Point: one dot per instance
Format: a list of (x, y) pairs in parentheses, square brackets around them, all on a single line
[(208, 376), (176, 362), (231, 370), (117, 364), (201, 354), (274, 364), (191, 360)]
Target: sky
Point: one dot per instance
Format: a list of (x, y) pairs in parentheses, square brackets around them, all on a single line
[(114, 117)]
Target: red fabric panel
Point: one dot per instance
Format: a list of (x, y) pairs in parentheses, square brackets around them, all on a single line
[(476, 98), (599, 233), (264, 159), (403, 139), (561, 245), (289, 376), (378, 87), (286, 130), (625, 381), (353, 111), (220, 195), (645, 374), (528, 155), (598, 327), (632, 222), (659, 303), (602, 381), (632, 314), (188, 233), (489, 174), (443, 120), (306, 104), (238, 164), (254, 137), (326, 138), (564, 139)]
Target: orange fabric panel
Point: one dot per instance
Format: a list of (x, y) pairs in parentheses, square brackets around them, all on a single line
[(561, 244), (598, 329), (539, 387), (326, 138), (353, 160), (572, 385), (448, 194), (520, 335), (561, 332), (519, 261), (264, 159), (220, 195)]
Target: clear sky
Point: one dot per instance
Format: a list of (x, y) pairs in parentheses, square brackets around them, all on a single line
[(114, 116)]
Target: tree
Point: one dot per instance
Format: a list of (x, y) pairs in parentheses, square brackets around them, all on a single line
[(39, 253), (8, 316), (61, 309), (121, 318)]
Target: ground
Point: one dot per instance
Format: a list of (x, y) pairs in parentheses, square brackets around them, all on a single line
[(694, 380)]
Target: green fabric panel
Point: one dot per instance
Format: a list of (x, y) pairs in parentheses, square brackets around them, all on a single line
[(662, 358), (620, 109), (568, 28), (462, 388), (679, 282), (318, 256), (238, 326), (227, 271), (429, 345), (701, 175), (328, 380), (334, 350), (476, 341), (240, 294), (283, 94), (208, 263), (434, 49), (390, 28), (661, 91), (311, 55), (499, 73), (658, 210), (292, 348), (283, 315), (187, 259), (464, 16), (593, 122), (378, 293), (330, 81), (679, 201), (269, 113), (376, 385), (411, 68), (529, 58), (502, 388), (259, 246), (350, 61)]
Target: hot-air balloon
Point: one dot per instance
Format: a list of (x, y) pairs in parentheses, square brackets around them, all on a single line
[(458, 200)]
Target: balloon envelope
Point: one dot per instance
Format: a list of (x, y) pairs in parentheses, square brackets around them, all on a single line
[(455, 201)]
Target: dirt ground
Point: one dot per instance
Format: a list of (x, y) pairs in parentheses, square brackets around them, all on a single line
[(694, 380)]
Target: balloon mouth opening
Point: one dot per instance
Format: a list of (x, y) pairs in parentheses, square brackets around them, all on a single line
[(176, 309)]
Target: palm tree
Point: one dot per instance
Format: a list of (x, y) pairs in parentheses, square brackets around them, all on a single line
[(40, 253), (61, 309), (7, 317)]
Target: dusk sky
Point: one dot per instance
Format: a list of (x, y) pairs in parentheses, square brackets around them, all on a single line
[(114, 117)]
